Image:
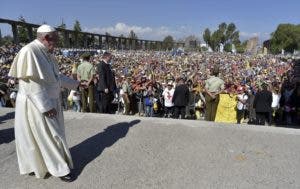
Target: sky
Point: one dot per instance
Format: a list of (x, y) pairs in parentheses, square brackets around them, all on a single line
[(155, 19)]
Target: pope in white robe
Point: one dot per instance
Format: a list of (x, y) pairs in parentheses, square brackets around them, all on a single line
[(40, 139)]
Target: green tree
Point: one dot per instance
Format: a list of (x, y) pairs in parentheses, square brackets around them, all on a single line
[(225, 34), (122, 41), (153, 46), (241, 47), (63, 25), (78, 37), (132, 35), (228, 47), (203, 49), (77, 26), (168, 42), (207, 36), (7, 40), (232, 35), (111, 42), (61, 35), (287, 37), (34, 32), (221, 32), (133, 38), (22, 31), (215, 40), (91, 41)]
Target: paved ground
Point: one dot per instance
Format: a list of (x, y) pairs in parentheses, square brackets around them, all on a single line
[(112, 151)]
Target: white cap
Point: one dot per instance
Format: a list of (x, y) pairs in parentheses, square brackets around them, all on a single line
[(45, 29)]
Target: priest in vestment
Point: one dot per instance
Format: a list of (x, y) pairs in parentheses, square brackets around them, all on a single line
[(39, 124)]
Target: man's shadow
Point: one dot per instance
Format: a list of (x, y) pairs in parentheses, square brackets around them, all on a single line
[(7, 116), (88, 150), (7, 135)]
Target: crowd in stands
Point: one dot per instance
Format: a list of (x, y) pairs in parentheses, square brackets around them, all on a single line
[(146, 82)]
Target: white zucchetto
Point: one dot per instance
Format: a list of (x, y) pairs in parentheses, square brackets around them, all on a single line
[(45, 29)]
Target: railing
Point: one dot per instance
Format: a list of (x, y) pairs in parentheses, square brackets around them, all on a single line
[(70, 38)]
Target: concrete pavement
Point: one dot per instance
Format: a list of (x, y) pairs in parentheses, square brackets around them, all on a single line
[(114, 151)]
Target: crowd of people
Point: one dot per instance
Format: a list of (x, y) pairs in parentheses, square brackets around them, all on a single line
[(41, 81), (160, 84)]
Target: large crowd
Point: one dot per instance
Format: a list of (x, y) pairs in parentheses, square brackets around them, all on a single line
[(146, 82)]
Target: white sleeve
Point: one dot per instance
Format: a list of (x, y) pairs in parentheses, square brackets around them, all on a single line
[(39, 95), (67, 82)]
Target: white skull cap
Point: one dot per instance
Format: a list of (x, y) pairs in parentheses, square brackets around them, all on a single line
[(45, 29)]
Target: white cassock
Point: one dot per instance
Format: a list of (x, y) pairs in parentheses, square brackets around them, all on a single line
[(40, 141)]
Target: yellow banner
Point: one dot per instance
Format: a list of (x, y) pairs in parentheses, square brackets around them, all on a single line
[(226, 111)]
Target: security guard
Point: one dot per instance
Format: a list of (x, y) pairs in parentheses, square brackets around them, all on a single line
[(213, 87)]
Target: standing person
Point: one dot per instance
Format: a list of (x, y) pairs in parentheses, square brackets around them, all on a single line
[(213, 87), (39, 124), (180, 99), (76, 100), (106, 83), (263, 105), (242, 98), (295, 101), (168, 95), (3, 95), (126, 94), (64, 98), (149, 101), (285, 103), (251, 110), (85, 74), (274, 117)]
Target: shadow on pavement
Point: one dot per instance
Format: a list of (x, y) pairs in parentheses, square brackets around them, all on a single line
[(8, 116), (88, 150), (7, 135)]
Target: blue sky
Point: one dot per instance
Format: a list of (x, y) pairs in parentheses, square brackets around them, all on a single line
[(154, 19)]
